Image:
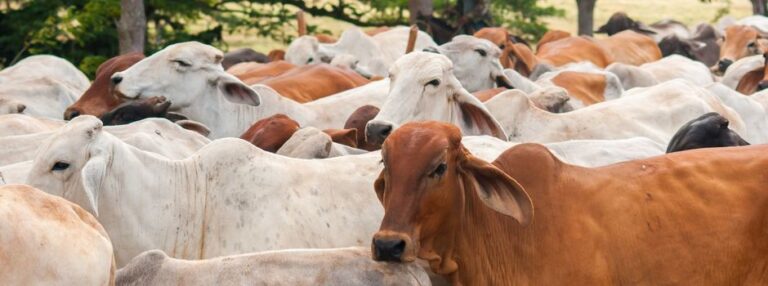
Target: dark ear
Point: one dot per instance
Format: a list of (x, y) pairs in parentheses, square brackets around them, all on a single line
[(748, 83), (503, 81), (236, 91), (379, 185), (174, 116), (194, 126), (602, 30), (343, 136), (496, 189), (476, 117), (641, 28)]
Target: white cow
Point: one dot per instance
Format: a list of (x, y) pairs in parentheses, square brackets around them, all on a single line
[(338, 266), (20, 124), (423, 87), (155, 135), (613, 86), (47, 240), (313, 143), (665, 69), (655, 112), (228, 198), (475, 63), (41, 86), (751, 110), (374, 53)]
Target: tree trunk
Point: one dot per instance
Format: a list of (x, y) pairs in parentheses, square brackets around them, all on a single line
[(586, 16), (423, 8), (758, 7), (132, 27)]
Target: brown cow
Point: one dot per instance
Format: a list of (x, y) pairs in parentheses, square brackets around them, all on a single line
[(357, 120), (740, 41), (271, 133), (696, 217), (557, 53), (589, 88), (630, 47), (311, 82), (346, 136), (252, 74), (100, 97), (755, 80), (551, 36)]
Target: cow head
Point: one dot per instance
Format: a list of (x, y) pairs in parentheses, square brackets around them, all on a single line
[(10, 106), (423, 87), (271, 133), (671, 45), (184, 73), (475, 63), (519, 57), (132, 111), (739, 42), (357, 120), (307, 143), (100, 96), (620, 21), (72, 162), (425, 186), (706, 131), (303, 51)]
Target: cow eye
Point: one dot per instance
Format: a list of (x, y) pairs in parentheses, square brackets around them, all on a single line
[(182, 63), (439, 171), (434, 82), (481, 52), (60, 166), (310, 59), (751, 45)]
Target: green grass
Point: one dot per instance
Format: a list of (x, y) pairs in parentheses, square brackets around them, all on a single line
[(690, 12)]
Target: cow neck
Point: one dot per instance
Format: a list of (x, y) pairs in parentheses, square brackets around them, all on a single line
[(528, 121), (138, 183)]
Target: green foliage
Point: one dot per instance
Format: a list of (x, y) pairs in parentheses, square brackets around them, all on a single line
[(523, 17)]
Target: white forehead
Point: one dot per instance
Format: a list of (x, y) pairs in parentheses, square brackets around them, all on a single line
[(463, 43), (422, 63), (191, 51)]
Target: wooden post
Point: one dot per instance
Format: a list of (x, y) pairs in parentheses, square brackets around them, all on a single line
[(412, 39), (302, 23)]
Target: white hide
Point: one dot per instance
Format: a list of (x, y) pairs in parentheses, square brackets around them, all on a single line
[(20, 124), (475, 62), (738, 69), (666, 69), (337, 266), (751, 110)]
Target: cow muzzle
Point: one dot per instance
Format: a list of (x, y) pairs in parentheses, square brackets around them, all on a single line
[(377, 131), (763, 84), (723, 64), (392, 247)]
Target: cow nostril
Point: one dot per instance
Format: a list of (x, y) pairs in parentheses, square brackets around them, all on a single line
[(117, 79), (385, 131), (724, 64), (71, 114), (389, 249), (762, 85)]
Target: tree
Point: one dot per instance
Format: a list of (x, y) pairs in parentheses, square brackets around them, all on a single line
[(586, 16), (132, 27), (758, 7), (419, 8)]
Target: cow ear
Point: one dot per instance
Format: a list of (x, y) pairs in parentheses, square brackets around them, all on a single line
[(379, 185), (93, 174), (475, 116), (194, 126), (236, 91), (642, 28), (175, 116), (526, 60), (496, 189), (748, 83), (343, 136)]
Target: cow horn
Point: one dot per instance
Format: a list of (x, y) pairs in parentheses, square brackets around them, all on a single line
[(412, 39), (301, 23)]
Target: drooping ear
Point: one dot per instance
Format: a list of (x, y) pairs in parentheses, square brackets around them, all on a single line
[(473, 115), (526, 60), (343, 136), (379, 185), (194, 126), (236, 91), (642, 28), (503, 81), (748, 83), (496, 189), (175, 116), (93, 174)]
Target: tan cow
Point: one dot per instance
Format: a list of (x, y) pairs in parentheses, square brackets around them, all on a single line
[(695, 217), (740, 41), (47, 240)]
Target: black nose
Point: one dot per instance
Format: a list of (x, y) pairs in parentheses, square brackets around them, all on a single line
[(375, 133), (762, 85), (69, 114), (388, 249), (724, 64), (116, 79)]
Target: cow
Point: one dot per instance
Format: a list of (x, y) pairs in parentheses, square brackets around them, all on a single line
[(242, 55), (740, 41), (45, 66), (255, 74), (556, 53), (357, 120), (476, 63), (754, 80), (336, 266), (630, 47), (640, 110), (665, 69), (10, 106), (706, 131), (703, 46), (225, 199), (313, 143), (749, 108), (620, 21), (190, 76), (583, 87), (375, 53), (420, 81), (438, 197), (50, 241), (100, 98), (133, 111), (311, 82), (270, 133), (739, 69), (20, 124), (41, 86)]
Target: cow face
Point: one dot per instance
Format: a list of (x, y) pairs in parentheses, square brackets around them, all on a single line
[(706, 131), (137, 110), (475, 63), (739, 42), (184, 73), (425, 186), (100, 96), (423, 87), (72, 163), (303, 51)]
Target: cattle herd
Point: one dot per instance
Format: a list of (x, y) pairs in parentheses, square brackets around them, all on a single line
[(385, 158)]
